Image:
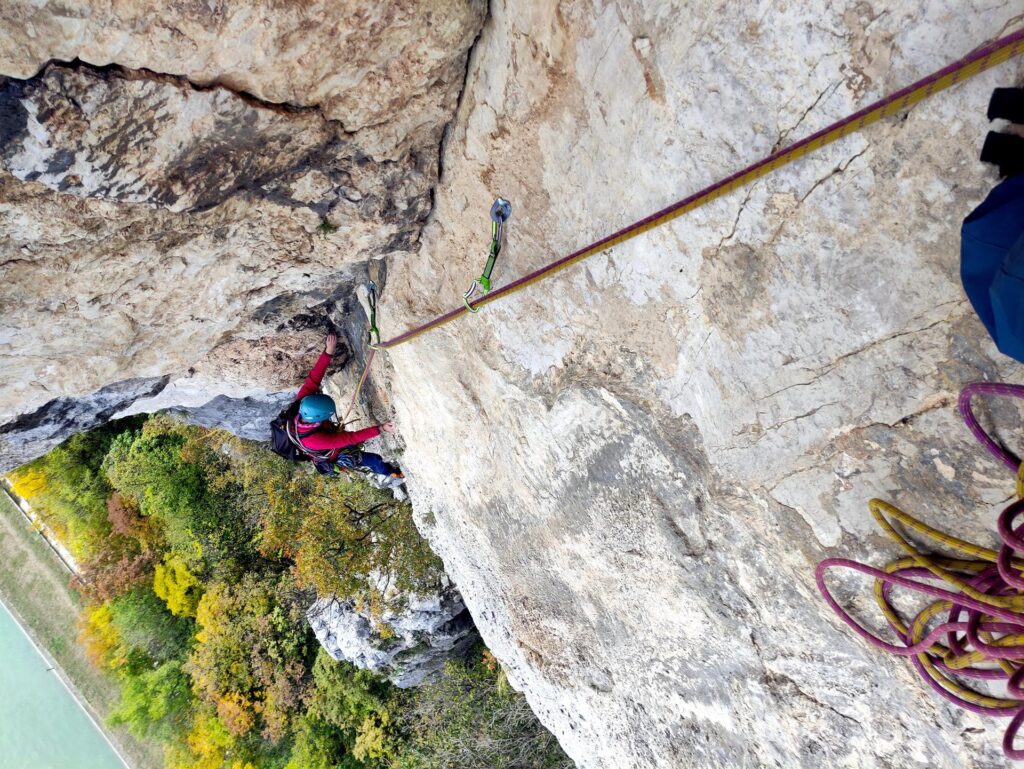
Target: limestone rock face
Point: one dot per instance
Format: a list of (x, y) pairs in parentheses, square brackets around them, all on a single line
[(191, 212), (630, 470), (409, 642), (645, 457), (22, 438), (125, 136), (390, 68)]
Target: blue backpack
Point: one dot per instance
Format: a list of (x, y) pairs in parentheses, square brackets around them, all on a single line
[(992, 264)]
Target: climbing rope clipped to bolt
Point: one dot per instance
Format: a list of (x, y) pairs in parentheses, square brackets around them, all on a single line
[(479, 293), (501, 210), (982, 58), (972, 629)]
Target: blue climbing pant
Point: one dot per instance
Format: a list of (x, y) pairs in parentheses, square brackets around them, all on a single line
[(373, 462)]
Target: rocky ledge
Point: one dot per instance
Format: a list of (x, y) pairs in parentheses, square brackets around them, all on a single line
[(409, 641)]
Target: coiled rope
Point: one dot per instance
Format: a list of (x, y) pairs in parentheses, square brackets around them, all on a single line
[(981, 595), (981, 59)]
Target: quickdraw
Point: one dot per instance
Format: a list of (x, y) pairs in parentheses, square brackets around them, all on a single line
[(371, 300), (501, 210)]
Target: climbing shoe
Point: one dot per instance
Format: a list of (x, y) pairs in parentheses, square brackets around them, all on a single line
[(1005, 151), (396, 482), (1008, 104)]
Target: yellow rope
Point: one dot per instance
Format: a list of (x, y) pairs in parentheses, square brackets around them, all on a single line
[(950, 571)]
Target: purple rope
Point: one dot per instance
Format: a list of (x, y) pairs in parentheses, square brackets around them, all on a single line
[(904, 650), (989, 388), (1002, 580)]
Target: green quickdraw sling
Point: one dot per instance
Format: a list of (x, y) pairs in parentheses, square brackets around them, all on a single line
[(371, 301), (500, 213)]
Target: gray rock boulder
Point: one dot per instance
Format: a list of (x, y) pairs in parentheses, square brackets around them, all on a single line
[(409, 642)]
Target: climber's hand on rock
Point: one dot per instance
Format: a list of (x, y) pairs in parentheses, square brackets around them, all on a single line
[(332, 343), (388, 427)]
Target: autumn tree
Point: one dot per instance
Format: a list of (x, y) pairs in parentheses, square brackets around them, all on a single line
[(68, 489), (177, 586), (344, 534), (99, 637), (251, 659), (112, 572)]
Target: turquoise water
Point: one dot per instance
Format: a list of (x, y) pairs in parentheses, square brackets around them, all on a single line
[(41, 724)]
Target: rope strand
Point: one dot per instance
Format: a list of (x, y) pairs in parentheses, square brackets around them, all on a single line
[(981, 59)]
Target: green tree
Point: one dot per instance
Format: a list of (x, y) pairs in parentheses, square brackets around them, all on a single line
[(173, 474), (320, 745), (145, 625), (156, 702), (359, 703), (472, 718)]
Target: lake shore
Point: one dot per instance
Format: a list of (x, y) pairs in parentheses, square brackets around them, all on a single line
[(58, 671), (34, 590)]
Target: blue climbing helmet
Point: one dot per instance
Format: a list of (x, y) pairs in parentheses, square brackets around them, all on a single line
[(316, 408)]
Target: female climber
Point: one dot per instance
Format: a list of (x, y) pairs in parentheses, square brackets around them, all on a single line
[(314, 429)]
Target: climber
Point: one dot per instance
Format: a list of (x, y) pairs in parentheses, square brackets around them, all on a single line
[(311, 432), (992, 236)]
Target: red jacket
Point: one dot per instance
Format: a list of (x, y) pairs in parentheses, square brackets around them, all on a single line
[(327, 436)]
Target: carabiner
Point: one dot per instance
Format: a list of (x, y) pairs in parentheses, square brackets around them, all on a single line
[(501, 210)]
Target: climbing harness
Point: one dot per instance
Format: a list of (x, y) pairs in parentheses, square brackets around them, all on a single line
[(501, 210), (982, 597), (981, 59)]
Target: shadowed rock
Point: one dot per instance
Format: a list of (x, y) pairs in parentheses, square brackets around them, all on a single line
[(136, 137)]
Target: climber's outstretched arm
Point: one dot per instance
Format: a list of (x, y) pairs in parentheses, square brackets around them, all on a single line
[(341, 439), (316, 376)]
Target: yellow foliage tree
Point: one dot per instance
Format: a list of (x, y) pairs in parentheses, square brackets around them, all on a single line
[(211, 618), (177, 586), (372, 737), (100, 638), (210, 743), (28, 482)]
